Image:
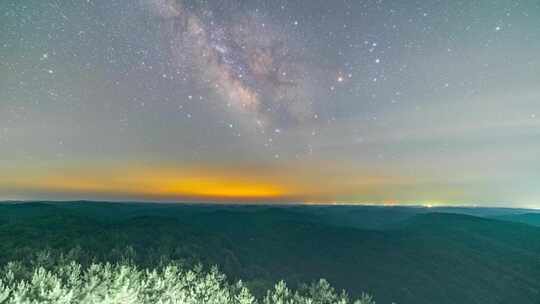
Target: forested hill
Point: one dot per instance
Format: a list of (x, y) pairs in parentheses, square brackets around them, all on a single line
[(403, 255)]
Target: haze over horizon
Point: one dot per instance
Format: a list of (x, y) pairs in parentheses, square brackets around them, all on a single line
[(436, 103)]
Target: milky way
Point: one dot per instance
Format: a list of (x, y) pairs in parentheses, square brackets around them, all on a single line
[(250, 62)]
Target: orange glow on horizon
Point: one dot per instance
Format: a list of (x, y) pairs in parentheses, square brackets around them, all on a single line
[(156, 183), (216, 188), (198, 183)]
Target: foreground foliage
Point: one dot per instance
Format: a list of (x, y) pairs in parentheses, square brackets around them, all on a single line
[(125, 283), (418, 258)]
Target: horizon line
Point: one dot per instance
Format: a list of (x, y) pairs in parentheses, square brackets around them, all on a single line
[(284, 204)]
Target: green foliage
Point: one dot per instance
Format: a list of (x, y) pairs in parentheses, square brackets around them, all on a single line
[(419, 257), (316, 293), (61, 282)]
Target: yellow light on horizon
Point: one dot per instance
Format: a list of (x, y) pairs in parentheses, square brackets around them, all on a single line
[(216, 188), (204, 182), (432, 204), (157, 183)]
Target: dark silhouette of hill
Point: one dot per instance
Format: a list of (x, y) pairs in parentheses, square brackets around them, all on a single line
[(525, 218), (404, 255)]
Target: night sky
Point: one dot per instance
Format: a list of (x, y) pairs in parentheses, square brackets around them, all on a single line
[(383, 102)]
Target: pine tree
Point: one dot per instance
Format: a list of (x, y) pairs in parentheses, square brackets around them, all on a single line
[(49, 282)]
